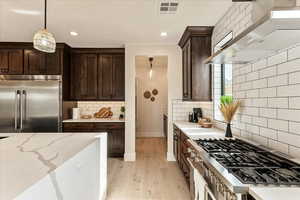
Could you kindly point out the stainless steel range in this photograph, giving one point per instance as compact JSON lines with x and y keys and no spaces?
{"x":229,"y":166}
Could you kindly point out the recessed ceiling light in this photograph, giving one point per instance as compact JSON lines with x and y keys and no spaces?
{"x":26,"y":12}
{"x":163,"y":34}
{"x":73,"y":33}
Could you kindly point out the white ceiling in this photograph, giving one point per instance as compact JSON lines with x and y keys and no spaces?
{"x":106,"y":23}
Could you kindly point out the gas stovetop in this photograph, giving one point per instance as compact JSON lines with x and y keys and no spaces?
{"x":252,"y":164}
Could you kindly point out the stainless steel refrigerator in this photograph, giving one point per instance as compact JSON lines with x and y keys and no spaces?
{"x":30,"y":104}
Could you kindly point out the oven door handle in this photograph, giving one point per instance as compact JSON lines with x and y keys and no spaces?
{"x":208,"y":193}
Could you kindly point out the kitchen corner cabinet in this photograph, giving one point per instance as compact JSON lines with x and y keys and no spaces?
{"x":98,"y":75}
{"x":196,"y":76}
{"x":115,"y":131}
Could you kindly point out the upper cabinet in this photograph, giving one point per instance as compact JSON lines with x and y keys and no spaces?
{"x":22,"y":59}
{"x":98,"y":74}
{"x":11,"y":61}
{"x":196,"y":48}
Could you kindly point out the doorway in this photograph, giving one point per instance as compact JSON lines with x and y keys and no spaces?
{"x":151,"y":85}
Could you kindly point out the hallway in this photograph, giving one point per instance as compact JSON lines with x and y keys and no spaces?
{"x":151,"y":177}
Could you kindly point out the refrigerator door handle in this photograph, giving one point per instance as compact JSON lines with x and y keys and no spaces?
{"x":17,"y":109}
{"x":22,"y":108}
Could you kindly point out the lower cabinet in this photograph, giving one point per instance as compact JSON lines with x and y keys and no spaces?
{"x":115,"y":131}
{"x":181,"y":154}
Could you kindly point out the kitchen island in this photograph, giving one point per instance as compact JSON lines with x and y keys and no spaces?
{"x":53,"y":166}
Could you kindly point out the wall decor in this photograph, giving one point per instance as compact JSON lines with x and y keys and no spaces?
{"x":155,"y":92}
{"x":152,"y":99}
{"x":147,"y":94}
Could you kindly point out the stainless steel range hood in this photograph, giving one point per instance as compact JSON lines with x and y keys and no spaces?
{"x":277,"y":26}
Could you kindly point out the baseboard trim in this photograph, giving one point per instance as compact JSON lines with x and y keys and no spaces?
{"x":130,"y":157}
{"x":170,"y":156}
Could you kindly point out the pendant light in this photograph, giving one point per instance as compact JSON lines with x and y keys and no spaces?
{"x":43,"y":40}
{"x":151,"y":71}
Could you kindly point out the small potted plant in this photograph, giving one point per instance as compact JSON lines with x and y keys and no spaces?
{"x":228,"y":108}
{"x":122,"y":115}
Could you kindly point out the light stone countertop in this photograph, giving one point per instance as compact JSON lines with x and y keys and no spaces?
{"x":275,"y":193}
{"x":27,"y":158}
{"x":195,"y":131}
{"x":93,"y":120}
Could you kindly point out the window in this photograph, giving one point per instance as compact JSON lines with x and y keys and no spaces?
{"x":222,"y":78}
{"x":226,"y":80}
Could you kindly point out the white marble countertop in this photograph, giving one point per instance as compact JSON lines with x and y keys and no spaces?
{"x":93,"y":120}
{"x":275,"y":193}
{"x":27,"y":158}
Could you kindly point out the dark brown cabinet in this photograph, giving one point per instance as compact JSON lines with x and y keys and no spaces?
{"x":39,"y":63}
{"x":181,"y":153}
{"x":98,"y":76}
{"x":84,"y":80}
{"x":11,"y":61}
{"x":115,"y":130}
{"x":196,"y":76}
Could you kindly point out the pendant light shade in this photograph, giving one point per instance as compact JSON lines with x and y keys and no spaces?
{"x":43,"y":40}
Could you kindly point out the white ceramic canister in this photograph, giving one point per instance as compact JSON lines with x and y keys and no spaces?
{"x":76,"y":113}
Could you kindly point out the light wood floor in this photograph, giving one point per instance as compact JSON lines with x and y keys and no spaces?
{"x":151,"y":177}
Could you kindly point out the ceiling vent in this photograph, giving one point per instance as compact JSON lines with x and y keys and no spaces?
{"x":168,"y":7}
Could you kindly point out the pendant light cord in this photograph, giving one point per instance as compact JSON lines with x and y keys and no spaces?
{"x":45,"y":15}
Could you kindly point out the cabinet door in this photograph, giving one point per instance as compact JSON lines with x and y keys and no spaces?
{"x":118,"y":83}
{"x":201,"y":73}
{"x":105,"y":77}
{"x":186,"y":71}
{"x":87,"y":77}
{"x":53,"y":63}
{"x":116,"y":142}
{"x":11,"y":61}
{"x":34,"y":62}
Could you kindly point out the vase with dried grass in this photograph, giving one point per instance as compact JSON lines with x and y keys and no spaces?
{"x":228,"y":108}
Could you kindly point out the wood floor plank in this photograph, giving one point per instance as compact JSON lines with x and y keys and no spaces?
{"x":151,"y":177}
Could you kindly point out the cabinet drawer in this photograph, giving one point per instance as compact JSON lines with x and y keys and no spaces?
{"x":79,"y":127}
{"x":109,"y":125}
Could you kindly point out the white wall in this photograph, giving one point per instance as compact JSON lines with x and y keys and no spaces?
{"x":269,"y":90}
{"x":150,"y":113}
{"x":174,"y":91}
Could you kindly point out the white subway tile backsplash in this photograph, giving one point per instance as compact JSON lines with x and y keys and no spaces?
{"x":294,"y":102}
{"x":278,"y":102}
{"x":278,"y":80}
{"x":288,"y":91}
{"x":268,"y":72}
{"x":252,"y":76}
{"x":294,"y":53}
{"x":268,"y":92}
{"x":268,"y":88}
{"x":260,"y":121}
{"x":294,"y":127}
{"x":294,"y":78}
{"x":277,"y":59}
{"x":260,"y":65}
{"x":268,"y":112}
{"x":269,"y":133}
{"x":292,"y":115}
{"x":288,"y":67}
{"x":278,"y":124}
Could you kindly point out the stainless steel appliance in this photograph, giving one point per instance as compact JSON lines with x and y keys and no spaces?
{"x":30,"y":104}
{"x":229,"y":166}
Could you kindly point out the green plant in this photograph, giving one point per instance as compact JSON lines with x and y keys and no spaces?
{"x":123,"y":109}
{"x":225,"y":100}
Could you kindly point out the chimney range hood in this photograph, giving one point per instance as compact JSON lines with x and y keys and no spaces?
{"x":277,"y":26}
